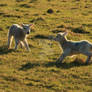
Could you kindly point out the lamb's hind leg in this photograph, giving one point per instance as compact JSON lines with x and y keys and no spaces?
{"x":88,"y":59}
{"x":89,"y":54}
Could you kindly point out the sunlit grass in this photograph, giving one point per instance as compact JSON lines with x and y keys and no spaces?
{"x":36,"y":71}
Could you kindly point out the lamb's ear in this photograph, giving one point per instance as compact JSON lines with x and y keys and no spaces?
{"x":65,"y":33}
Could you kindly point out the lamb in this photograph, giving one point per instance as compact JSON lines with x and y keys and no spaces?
{"x":19,"y":32}
{"x":72,"y":47}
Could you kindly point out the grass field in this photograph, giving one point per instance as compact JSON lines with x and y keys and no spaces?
{"x":35,"y":71}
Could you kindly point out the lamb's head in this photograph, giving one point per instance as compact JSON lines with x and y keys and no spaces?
{"x":26,"y":28}
{"x":60,"y":36}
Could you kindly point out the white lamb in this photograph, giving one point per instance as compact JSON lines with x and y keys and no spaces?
{"x":19,"y":33}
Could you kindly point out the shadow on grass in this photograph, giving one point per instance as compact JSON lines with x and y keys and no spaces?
{"x":5,"y":50}
{"x":28,"y":65}
{"x":64,"y":65}
{"x":10,"y":78}
{"x":44,"y":37}
{"x":41,"y":37}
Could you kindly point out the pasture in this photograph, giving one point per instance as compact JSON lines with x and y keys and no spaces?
{"x":35,"y":71}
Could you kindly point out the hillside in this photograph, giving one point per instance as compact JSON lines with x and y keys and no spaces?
{"x":35,"y":71}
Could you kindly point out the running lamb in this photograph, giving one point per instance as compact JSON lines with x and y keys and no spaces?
{"x":72,"y":47}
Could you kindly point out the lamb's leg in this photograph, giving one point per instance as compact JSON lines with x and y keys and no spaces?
{"x":88,"y":59}
{"x":21,"y":44}
{"x":26,"y":45}
{"x":64,"y":54}
{"x":59,"y":61}
{"x":9,"y":41}
{"x":89,"y":54}
{"x":16,"y":43}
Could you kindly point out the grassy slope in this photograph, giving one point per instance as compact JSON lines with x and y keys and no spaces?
{"x":35,"y":71}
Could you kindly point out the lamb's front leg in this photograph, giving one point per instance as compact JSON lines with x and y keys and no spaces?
{"x":61,"y":58}
{"x":16,"y":44}
{"x":89,"y":54}
{"x":26,"y":45}
{"x":21,"y":44}
{"x":63,"y":55}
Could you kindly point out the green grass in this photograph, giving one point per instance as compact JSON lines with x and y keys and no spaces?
{"x":35,"y":71}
